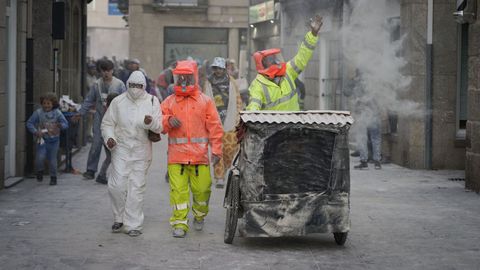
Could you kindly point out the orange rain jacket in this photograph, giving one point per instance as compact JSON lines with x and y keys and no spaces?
{"x":200,"y":127}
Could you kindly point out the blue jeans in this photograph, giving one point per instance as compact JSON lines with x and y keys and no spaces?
{"x":48,"y":151}
{"x":376,"y":138}
{"x":96,"y":147}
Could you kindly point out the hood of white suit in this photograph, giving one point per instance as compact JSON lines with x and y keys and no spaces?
{"x":136,"y":78}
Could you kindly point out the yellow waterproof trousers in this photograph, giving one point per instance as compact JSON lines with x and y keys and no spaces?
{"x":182,"y":178}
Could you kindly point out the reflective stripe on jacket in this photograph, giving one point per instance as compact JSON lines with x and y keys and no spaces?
{"x":200,"y":126}
{"x":267,"y":95}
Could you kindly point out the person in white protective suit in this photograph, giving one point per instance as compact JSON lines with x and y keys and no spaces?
{"x":125,"y":131}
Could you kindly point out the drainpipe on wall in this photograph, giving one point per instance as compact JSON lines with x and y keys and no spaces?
{"x":83,"y":63}
{"x":10,"y":157}
{"x":249,"y":46}
{"x":429,"y":88}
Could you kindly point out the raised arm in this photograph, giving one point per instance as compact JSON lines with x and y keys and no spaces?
{"x":298,"y":63}
{"x":90,"y":99}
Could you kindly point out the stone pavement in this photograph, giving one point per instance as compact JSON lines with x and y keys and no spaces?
{"x":401,"y":219}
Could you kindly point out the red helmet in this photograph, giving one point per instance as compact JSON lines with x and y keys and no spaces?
{"x":185,"y":78}
{"x":270,"y":63}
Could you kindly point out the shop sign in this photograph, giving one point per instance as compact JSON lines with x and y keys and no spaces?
{"x":262,"y":12}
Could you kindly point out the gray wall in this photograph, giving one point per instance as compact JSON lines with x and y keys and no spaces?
{"x":21,"y":85}
{"x":445,"y":153}
{"x":472,"y":170}
{"x":3,"y":96}
{"x":20,"y":97}
{"x":408,"y":146}
{"x":100,"y":42}
{"x":42,"y":48}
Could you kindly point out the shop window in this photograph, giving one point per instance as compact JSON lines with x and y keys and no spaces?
{"x":198,"y":43}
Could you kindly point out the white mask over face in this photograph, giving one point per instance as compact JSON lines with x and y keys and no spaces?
{"x":135,"y":93}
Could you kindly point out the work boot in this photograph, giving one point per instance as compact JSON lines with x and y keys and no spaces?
{"x":220,"y":183}
{"x":198,"y":224}
{"x":101,"y":179}
{"x":355,"y":154}
{"x":89,"y":175}
{"x":378,"y":166}
{"x":179,"y":233}
{"x":134,"y":233}
{"x":40,"y":176}
{"x":117,"y":227}
{"x":53,"y":180}
{"x":362,"y":165}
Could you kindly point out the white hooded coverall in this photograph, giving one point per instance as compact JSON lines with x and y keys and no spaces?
{"x":132,"y":154}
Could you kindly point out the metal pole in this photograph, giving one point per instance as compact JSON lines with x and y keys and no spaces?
{"x":83,"y":63}
{"x":12,"y":88}
{"x":249,"y":46}
{"x":429,"y":88}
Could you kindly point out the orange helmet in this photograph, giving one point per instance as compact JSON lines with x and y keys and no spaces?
{"x":270,"y":63}
{"x":185,"y":77}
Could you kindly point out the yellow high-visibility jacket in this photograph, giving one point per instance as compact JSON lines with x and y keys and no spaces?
{"x":267,"y":95}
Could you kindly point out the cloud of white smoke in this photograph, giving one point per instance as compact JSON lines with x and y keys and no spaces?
{"x":370,"y":49}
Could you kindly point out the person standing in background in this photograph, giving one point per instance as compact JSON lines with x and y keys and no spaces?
{"x":97,"y":97}
{"x":91,"y":78}
{"x":223,"y":90}
{"x":232,"y":69}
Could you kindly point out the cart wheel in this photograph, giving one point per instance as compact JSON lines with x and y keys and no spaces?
{"x":340,"y":237}
{"x":232,"y":204}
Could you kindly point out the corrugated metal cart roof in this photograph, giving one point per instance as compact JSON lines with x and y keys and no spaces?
{"x":336,"y":118}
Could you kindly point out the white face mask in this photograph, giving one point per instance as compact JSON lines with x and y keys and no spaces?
{"x":135,"y":92}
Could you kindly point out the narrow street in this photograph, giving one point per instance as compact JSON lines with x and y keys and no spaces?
{"x":401,"y":219}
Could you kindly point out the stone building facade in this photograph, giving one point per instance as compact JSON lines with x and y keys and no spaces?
{"x":472,"y":166}
{"x":104,"y":25}
{"x":36,"y":63}
{"x":434,"y":141}
{"x":164,"y":31}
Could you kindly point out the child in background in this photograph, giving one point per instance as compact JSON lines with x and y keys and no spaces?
{"x":45,"y":124}
{"x":102,"y":176}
